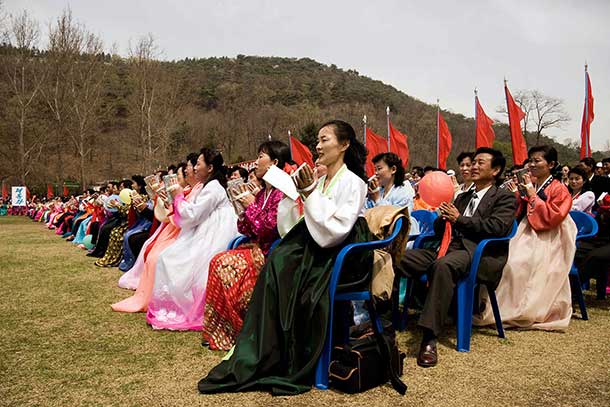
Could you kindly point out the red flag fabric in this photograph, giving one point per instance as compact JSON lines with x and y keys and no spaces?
{"x":300,"y":153}
{"x":444,"y":142}
{"x":375,"y":144}
{"x":484,"y":131}
{"x":515,"y":115}
{"x":399,"y":145}
{"x":4,"y":191}
{"x":49,"y":191}
{"x":587,"y":119}
{"x":65,"y":190}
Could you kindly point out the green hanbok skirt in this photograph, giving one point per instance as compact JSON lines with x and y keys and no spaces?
{"x":286,"y":323}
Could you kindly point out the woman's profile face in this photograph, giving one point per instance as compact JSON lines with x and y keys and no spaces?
{"x":202,"y":170}
{"x":329,"y":149}
{"x":263,"y":162}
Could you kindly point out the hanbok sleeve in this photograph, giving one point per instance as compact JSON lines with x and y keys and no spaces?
{"x":584,"y":202}
{"x":261,"y":223}
{"x":330,"y":220}
{"x":190,"y":214}
{"x":546,"y":215}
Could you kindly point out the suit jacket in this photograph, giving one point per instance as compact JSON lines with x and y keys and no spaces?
{"x":599,"y":184}
{"x":493,"y":218}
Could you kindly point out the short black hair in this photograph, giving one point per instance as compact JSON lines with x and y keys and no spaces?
{"x":549,"y":153}
{"x":392,"y":160}
{"x":419,"y":171}
{"x":243,"y":173}
{"x":580,"y":170}
{"x":465,"y":154}
{"x":192,"y":158}
{"x":172,"y":168}
{"x":606,"y":160}
{"x":127,"y":183}
{"x":589,"y":162}
{"x":430,"y":168}
{"x":497,"y":159}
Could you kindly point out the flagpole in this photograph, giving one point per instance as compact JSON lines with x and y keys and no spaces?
{"x":387,"y":113}
{"x":364,"y":121}
{"x":587,"y":152}
{"x":290,"y":143}
{"x":438,"y":145}
{"x":476,"y":117}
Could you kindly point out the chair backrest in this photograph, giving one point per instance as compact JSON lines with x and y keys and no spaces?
{"x":426,"y":220}
{"x":586,"y":224}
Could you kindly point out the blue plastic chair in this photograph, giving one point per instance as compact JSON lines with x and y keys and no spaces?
{"x":465,"y":296}
{"x":587,"y":228}
{"x":237,"y":240}
{"x":426,"y":220}
{"x":321,"y":377}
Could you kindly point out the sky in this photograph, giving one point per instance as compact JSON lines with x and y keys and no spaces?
{"x":429,"y":50}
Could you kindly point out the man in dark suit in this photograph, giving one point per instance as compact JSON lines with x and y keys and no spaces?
{"x":598,"y":183}
{"x":482,"y":213}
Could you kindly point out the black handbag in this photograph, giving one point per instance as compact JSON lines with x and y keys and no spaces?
{"x":358,"y":365}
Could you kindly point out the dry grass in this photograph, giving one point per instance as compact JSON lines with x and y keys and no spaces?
{"x":60,"y":344}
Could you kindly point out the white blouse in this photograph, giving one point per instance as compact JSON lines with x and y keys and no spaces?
{"x":331,"y":214}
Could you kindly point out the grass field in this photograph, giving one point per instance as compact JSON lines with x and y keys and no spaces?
{"x":60,"y":344}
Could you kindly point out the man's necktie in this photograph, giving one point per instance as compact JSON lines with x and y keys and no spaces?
{"x":471,"y":205}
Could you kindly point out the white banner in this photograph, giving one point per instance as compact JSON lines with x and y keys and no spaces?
{"x":19,"y":196}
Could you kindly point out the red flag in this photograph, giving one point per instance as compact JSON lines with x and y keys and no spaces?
{"x":484,"y":131}
{"x":444,"y":142}
{"x":515,"y":115}
{"x":300,"y":153}
{"x":65,"y":190}
{"x":399,"y":145}
{"x":375,"y":144}
{"x":4,"y":191}
{"x":587,"y":119}
{"x":49,"y":191}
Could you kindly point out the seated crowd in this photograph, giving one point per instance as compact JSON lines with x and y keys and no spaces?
{"x":266,"y":299}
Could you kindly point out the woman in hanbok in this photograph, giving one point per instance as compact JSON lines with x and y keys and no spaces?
{"x":286,"y":324}
{"x":583,"y":198}
{"x":142,"y":274}
{"x":208,"y":224}
{"x":233,"y":273}
{"x":534,"y":291}
{"x":140,"y":220}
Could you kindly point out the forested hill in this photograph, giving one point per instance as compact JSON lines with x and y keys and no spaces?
{"x":149,"y":113}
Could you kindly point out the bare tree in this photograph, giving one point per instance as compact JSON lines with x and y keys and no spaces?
{"x":74,"y":91}
{"x":86,"y":85}
{"x":144,"y":73}
{"x":25,"y":73}
{"x":541,"y":111}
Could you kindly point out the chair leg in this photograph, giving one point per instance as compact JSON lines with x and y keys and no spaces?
{"x":577,"y":288}
{"x":465,"y":294}
{"x":496,"y":311}
{"x":321,"y":378}
{"x":405,"y":305}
